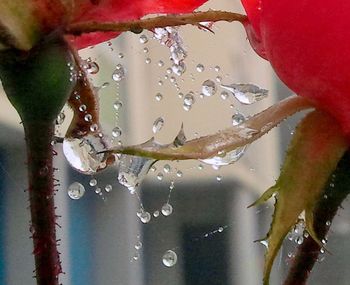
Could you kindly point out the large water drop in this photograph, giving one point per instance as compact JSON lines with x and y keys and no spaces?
{"x":246,"y":93}
{"x":82,"y":153}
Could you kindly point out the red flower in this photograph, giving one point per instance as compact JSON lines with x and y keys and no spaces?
{"x":307,"y":42}
{"x":36,"y":18}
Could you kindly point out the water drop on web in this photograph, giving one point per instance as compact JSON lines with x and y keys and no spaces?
{"x":156,"y":214}
{"x":157,"y":125}
{"x":117,"y":105}
{"x":167,"y":209}
{"x":108,"y":188}
{"x":208,"y":88}
{"x":132,"y":170}
{"x":246,"y":93}
{"x":167,"y":168}
{"x":237,"y":119}
{"x":200,"y":67}
{"x":188,"y":99}
{"x":138,"y":245}
{"x":93,"y":182}
{"x":160,"y":176}
{"x":145,"y":217}
{"x":60,"y":118}
{"x":119,"y":73}
{"x":76,"y":191}
{"x":143,"y":39}
{"x":224,"y":95}
{"x":159,"y":97}
{"x":169,"y":258}
{"x":116,"y":132}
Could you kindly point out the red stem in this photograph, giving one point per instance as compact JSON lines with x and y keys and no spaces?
{"x":41,"y":196}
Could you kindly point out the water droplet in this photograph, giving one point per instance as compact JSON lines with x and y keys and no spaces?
{"x":148,"y":60}
{"x":98,"y":190}
{"x":159,"y":97}
{"x":189,"y":99}
{"x":217,"y":68}
{"x":94,"y":128}
{"x":82,"y":153}
{"x":237,"y":119}
{"x":179,"y":69}
{"x":145,"y":217}
{"x":224,"y":95}
{"x":156,"y":214}
{"x":208,"y":87}
{"x":179,"y":173}
{"x":200,"y":166}
{"x":88,"y":118}
{"x":82,"y":108}
{"x":108,"y":188}
{"x":167,"y":168}
{"x":93,"y":182}
{"x":328,"y":223}
{"x":220,"y":229}
{"x":218,"y":78}
{"x":119,"y":73}
{"x":160,"y":176}
{"x":157,"y":125}
{"x":219,"y":178}
{"x":160,"y":83}
{"x":225,"y":158}
{"x":160,"y":63}
{"x":60,"y":118}
{"x":136,"y":256}
{"x":246,"y":93}
{"x":132,"y":170}
{"x":120,"y":55}
{"x":264,"y":243}
{"x":187,"y":107}
{"x":143,"y":39}
{"x":138,"y":245}
{"x":117,"y":105}
{"x":169,"y":258}
{"x":200,"y":67}
{"x":167,"y":209}
{"x":299,"y":240}
{"x":91,"y":67}
{"x":116,"y":132}
{"x":76,"y":190}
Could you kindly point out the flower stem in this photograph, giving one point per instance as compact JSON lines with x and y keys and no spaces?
{"x":155,"y":22}
{"x":41,"y":197}
{"x":337,"y":190}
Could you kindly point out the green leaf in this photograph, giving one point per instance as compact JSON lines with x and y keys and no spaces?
{"x":313,"y":155}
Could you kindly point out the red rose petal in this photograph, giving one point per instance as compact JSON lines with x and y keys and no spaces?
{"x":308,"y":43}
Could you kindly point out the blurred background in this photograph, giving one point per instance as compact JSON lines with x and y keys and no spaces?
{"x":210,"y":233}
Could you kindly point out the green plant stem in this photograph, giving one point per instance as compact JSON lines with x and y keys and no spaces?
{"x":39,"y":136}
{"x":307,"y":254}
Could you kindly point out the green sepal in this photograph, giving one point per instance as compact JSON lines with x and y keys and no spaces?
{"x":316,"y":148}
{"x":39,"y":82}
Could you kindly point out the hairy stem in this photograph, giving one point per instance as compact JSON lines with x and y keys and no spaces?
{"x":337,"y":190}
{"x":41,"y":196}
{"x":225,"y":140}
{"x":155,"y":22}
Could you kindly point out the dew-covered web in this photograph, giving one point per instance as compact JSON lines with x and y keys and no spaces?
{"x":178,"y":79}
